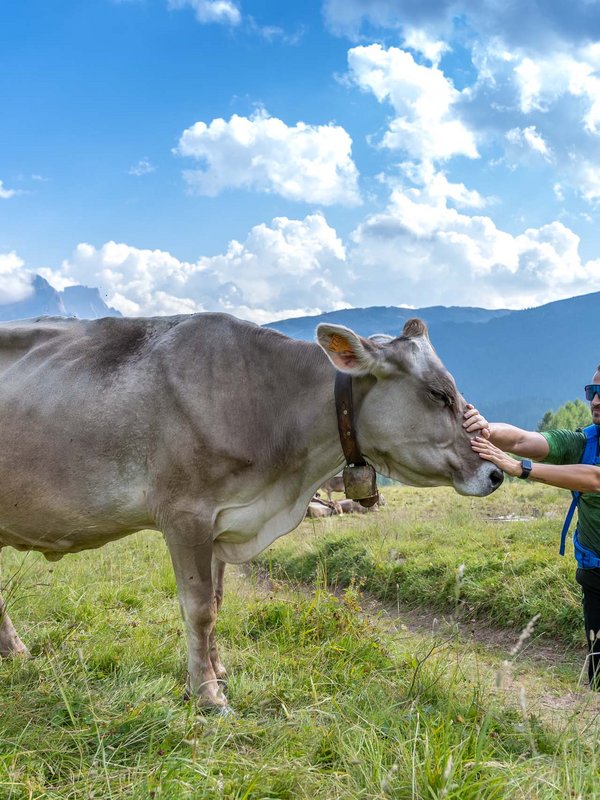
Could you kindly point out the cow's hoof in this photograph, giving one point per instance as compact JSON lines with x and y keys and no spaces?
{"x":213,"y":710}
{"x":217,"y":711}
{"x":210,"y":705}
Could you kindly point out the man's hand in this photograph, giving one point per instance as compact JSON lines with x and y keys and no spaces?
{"x":475,"y":423}
{"x":490,"y":452}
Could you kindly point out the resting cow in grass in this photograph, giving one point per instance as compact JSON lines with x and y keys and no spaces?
{"x":214,"y":431}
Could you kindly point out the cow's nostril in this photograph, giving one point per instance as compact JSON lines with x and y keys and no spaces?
{"x":496,"y":477}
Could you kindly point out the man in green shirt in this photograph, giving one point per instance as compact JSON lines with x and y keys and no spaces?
{"x":556,"y":457}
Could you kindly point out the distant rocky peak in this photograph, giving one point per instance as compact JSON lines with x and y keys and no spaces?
{"x":75,"y":301}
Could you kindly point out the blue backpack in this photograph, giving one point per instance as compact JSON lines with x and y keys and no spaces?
{"x":586,"y":559}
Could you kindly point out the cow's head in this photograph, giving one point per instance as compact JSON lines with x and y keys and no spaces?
{"x":410,"y":420}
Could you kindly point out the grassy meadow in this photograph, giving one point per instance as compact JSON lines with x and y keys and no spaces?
{"x":370,"y":656}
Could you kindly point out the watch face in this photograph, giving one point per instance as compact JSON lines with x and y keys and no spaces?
{"x":526,"y":467}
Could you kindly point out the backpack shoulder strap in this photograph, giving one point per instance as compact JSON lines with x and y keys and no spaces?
{"x":591,"y":445}
{"x":588,"y":457}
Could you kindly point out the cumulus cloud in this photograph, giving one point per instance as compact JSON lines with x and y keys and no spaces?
{"x":284,"y":269}
{"x":434,"y":254}
{"x":223,"y":12}
{"x":427,"y":125}
{"x":425,"y":249}
{"x":310,"y":163}
{"x":15,"y":280}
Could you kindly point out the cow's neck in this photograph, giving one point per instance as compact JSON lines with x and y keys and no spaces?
{"x":320,"y":452}
{"x":305,"y":451}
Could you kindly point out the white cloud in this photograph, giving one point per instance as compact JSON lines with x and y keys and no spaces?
{"x":434,"y":187}
{"x":542,"y":81}
{"x":419,"y":41}
{"x":223,"y":12}
{"x":427,"y":125}
{"x":423,"y":249}
{"x":15,"y":280}
{"x":435,"y":254}
{"x":284,"y":269}
{"x":303,"y":163}
{"x":6,"y":194}
{"x":586,"y":176}
{"x":143,"y":167}
{"x":529,"y":139}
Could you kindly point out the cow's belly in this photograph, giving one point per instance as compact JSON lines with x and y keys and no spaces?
{"x":74,"y":541}
{"x":55,"y":519}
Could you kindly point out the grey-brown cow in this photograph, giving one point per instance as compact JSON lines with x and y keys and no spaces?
{"x":214,"y":431}
{"x":335,"y":484}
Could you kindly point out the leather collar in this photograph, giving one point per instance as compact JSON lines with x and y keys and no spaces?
{"x":360,"y":479}
{"x":345,"y":416}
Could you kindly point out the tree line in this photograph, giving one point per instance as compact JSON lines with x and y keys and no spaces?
{"x":574,"y":414}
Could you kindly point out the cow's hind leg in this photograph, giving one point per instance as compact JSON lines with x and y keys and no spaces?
{"x":191,"y":553}
{"x":218,"y":571}
{"x":10,"y":644}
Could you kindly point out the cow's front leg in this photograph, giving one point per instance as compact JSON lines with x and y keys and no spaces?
{"x":218,"y":572}
{"x":191,"y":553}
{"x":10,"y":644}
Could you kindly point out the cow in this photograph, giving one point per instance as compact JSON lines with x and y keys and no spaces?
{"x":216,"y":432}
{"x":352,"y":507}
{"x":319,"y":507}
{"x":335,"y":484}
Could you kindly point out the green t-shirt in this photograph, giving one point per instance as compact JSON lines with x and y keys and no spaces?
{"x":566,"y":447}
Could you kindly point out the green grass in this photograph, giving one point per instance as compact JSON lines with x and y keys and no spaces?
{"x":331,"y":703}
{"x":410,"y":553}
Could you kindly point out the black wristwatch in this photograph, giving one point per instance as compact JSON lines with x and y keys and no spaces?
{"x":526,"y":467}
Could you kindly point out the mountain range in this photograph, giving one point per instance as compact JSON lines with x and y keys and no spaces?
{"x":513,"y":365}
{"x":75,"y":301}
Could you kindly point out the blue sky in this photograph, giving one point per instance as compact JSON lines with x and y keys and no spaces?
{"x":275,"y":159}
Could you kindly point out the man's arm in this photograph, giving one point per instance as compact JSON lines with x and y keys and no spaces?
{"x":529,"y":444}
{"x":576,"y":477}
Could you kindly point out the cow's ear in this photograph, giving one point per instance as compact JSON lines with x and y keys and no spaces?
{"x":348,"y":351}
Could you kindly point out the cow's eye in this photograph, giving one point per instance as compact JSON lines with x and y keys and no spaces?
{"x":441,"y":397}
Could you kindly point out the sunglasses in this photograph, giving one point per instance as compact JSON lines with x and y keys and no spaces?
{"x":591,"y":390}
